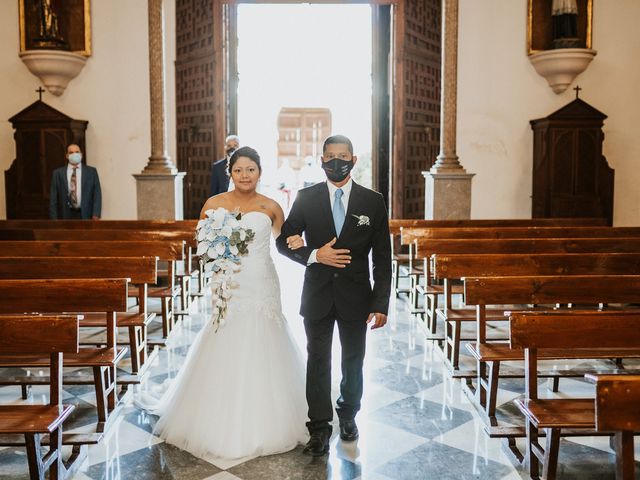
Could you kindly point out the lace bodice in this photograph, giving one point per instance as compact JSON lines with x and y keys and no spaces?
{"x":261,"y":224}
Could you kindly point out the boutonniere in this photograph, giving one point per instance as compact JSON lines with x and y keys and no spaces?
{"x":362,"y":219}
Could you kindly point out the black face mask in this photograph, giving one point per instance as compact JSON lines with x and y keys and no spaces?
{"x":230,"y":151}
{"x":337,"y":169}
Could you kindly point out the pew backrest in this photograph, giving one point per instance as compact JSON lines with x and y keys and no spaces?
{"x":426,"y":248}
{"x":99,"y":235}
{"x":38,"y":334}
{"x":164,"y":250}
{"x":137,"y":269}
{"x":410,"y":234}
{"x":68,"y":295}
{"x":531,"y":332}
{"x":571,"y":331}
{"x":395,"y":223}
{"x":168,"y":225}
{"x":551,"y":289}
{"x":492,"y":265}
{"x":617,"y":400}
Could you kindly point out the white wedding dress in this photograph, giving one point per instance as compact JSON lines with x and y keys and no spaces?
{"x":241,"y":390}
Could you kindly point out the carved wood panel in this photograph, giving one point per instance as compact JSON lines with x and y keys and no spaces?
{"x":571,"y":177}
{"x":195,"y":102}
{"x":417,"y":102}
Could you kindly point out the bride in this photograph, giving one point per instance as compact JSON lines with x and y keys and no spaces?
{"x":240,"y":392}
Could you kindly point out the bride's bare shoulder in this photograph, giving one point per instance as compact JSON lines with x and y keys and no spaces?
{"x":217,"y":201}
{"x":269,"y":206}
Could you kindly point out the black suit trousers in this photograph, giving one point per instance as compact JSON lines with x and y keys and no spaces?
{"x":353,"y":336}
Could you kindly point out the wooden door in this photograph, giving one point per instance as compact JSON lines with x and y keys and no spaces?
{"x":382,"y":72}
{"x":195,"y":99}
{"x":416,"y":119}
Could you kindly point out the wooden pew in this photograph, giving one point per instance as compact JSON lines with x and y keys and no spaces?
{"x":396,"y":223}
{"x":101,"y":224}
{"x":403,"y":258}
{"x":183,"y":268}
{"x":409,"y":235}
{"x":106,"y":296}
{"x":617,"y":400}
{"x":169,"y":251}
{"x":50,"y":337}
{"x":534,"y":333}
{"x":528,"y":245}
{"x":451,"y":268}
{"x":428,"y":247}
{"x":533,"y":290}
{"x":186,"y":227}
{"x":140,"y":270}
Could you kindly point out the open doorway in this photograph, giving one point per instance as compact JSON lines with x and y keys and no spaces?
{"x":299,"y":80}
{"x":405,"y":99}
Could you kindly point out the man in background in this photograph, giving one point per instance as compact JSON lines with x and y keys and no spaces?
{"x":219,"y":174}
{"x":75,"y":189}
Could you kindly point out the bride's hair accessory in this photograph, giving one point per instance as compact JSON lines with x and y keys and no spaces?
{"x":221,"y":241}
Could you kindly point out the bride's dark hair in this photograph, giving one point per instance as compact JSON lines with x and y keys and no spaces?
{"x":248,"y":152}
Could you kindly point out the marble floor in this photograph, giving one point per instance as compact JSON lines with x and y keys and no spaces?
{"x":416,"y":422}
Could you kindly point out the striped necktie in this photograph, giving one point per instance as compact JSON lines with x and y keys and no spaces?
{"x":73,"y":188}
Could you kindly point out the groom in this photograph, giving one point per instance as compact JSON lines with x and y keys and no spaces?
{"x":342,"y":222}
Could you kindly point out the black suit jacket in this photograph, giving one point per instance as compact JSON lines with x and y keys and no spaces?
{"x":90,"y":194}
{"x":219,"y":182}
{"x":349,"y":288}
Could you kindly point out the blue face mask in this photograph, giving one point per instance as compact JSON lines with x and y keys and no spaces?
{"x":75,"y":158}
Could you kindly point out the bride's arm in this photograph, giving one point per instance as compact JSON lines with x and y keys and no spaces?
{"x":278,"y":219}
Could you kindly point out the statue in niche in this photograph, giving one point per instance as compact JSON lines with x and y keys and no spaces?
{"x":49,"y":30}
{"x":565,"y":24}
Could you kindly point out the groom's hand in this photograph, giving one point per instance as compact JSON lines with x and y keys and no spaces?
{"x":334,"y":257}
{"x":381,"y":320}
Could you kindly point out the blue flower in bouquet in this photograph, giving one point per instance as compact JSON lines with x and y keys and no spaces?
{"x":222,"y":240}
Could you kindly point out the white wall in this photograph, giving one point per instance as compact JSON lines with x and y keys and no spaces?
{"x":111,"y":92}
{"x":499,"y":92}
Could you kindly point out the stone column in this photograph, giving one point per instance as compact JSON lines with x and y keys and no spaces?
{"x":159,"y":185}
{"x":447,"y":184}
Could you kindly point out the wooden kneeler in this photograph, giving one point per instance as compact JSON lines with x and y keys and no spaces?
{"x":40,"y":335}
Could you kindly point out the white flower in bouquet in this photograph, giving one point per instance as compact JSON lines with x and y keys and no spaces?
{"x":221,"y":241}
{"x":219,"y":216}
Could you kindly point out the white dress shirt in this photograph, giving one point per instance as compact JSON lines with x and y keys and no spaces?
{"x":78,"y":180}
{"x":346,"y":191}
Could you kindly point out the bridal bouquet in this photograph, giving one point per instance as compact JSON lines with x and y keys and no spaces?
{"x":221,"y":242}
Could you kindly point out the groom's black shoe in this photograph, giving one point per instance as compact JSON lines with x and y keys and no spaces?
{"x":348,"y":430}
{"x":318,"y":444}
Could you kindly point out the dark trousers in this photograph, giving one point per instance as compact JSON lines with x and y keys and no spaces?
{"x":353,"y":335}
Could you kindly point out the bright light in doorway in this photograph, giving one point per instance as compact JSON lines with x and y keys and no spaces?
{"x":303,"y":55}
